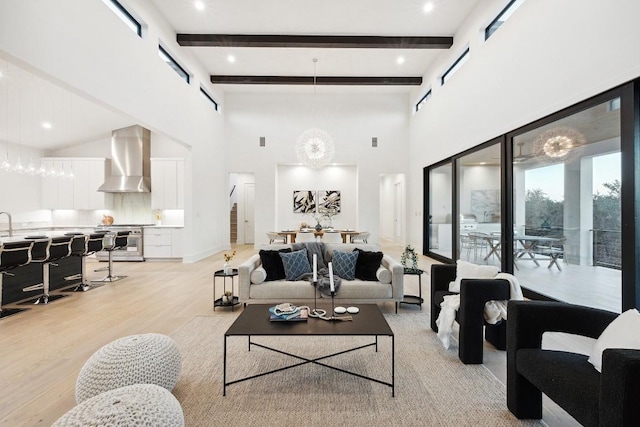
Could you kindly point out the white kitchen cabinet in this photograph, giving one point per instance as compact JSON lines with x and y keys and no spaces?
{"x":167,"y":184}
{"x":80,"y":192}
{"x":89,"y":176}
{"x":162,"y":242}
{"x":57,"y":192}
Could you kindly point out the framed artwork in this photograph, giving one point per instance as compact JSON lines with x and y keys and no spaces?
{"x":485,"y":205}
{"x":304,"y":201}
{"x":329,"y":201}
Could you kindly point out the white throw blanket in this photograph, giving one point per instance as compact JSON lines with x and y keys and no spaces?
{"x":494,"y":311}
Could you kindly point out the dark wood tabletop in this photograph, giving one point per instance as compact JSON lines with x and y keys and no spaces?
{"x":254,"y":320}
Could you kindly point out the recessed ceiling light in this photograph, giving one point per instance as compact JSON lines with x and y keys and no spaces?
{"x":47,"y":125}
{"x":428,"y":7}
{"x":400,"y":60}
{"x":231,"y":58}
{"x":199,"y":5}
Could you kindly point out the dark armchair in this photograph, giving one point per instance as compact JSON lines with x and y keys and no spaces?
{"x":609,"y":398}
{"x":474,"y":293}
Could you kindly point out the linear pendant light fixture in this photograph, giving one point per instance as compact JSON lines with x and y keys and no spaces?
{"x":314,"y":147}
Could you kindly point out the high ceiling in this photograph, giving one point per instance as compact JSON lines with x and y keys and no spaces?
{"x":31,"y":99}
{"x":381,"y":18}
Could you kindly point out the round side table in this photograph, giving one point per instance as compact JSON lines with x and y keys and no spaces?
{"x":234,"y":299}
{"x":414,"y":299}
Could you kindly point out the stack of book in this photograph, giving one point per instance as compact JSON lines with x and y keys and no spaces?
{"x":297,"y":315}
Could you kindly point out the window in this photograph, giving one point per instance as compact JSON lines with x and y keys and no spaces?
{"x":502,"y":16}
{"x":455,"y":67}
{"x":440,"y":185}
{"x":423,"y":100}
{"x":567,"y":213}
{"x":173,"y":64}
{"x":209,"y":98}
{"x":126,"y":17}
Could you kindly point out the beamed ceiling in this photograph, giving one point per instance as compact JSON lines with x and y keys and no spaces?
{"x":373,"y":44}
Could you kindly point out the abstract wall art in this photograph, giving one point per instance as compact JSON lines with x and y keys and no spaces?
{"x":329,"y":201}
{"x":304,"y":201}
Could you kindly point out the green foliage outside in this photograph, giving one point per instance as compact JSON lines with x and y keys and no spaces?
{"x":543,"y":213}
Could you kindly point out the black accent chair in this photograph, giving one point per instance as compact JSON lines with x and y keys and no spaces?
{"x":609,"y":398}
{"x":474,"y":293}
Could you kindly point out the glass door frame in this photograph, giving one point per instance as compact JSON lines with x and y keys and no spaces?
{"x":629,"y":94}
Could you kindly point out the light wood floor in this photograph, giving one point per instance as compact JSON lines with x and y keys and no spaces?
{"x":44,"y":348}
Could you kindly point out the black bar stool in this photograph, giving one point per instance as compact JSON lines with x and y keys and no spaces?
{"x":113,"y":241}
{"x":48,"y":252}
{"x":12,"y":255}
{"x":92,"y":243}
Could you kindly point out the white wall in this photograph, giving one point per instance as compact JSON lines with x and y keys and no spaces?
{"x":547,"y":56}
{"x":98,"y":57}
{"x":293,"y":178}
{"x":351,"y":119}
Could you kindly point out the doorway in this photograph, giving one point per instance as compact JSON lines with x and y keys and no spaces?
{"x":392,"y":208}
{"x":241,"y":199}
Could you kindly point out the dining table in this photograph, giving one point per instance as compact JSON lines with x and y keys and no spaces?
{"x":291,"y":234}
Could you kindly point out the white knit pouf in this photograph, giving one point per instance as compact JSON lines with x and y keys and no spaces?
{"x":136,"y":359}
{"x":134,"y":405}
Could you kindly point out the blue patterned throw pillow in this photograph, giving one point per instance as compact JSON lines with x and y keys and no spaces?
{"x":344,"y":264}
{"x":295,"y":264}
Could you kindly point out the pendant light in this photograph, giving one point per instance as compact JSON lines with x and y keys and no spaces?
{"x":314,"y":147}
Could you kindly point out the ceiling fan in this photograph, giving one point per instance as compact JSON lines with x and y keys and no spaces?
{"x":521,"y":157}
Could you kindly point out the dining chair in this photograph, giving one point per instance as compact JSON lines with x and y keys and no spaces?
{"x":362,"y":237}
{"x":332,"y":237}
{"x":305,"y":236}
{"x":276,"y":238}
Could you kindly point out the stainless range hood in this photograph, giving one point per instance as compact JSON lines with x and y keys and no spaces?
{"x":130,"y":161}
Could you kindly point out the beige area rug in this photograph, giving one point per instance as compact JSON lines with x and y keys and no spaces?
{"x":433,"y":388}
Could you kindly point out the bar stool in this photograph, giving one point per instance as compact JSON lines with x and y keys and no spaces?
{"x":92,"y":243}
{"x":112,"y":242}
{"x":12,"y":255}
{"x":48,"y":252}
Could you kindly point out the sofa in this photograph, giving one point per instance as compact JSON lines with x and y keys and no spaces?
{"x":387,"y":287}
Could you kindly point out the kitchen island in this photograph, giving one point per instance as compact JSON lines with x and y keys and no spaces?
{"x":18,"y":285}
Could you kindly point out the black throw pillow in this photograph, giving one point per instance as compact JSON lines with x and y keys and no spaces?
{"x":367,"y":265}
{"x":272,"y":264}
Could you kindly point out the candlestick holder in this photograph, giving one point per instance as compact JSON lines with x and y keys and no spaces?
{"x":316,"y":312}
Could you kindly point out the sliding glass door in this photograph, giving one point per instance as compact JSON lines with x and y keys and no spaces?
{"x":479,"y":205}
{"x":567,"y":207}
{"x":440,"y":184}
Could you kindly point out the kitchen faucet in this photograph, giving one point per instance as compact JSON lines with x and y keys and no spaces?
{"x":10,"y":223}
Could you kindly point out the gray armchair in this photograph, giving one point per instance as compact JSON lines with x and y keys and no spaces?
{"x":592,"y":398}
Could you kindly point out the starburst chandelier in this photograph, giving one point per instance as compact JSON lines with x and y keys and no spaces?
{"x":314,"y":147}
{"x":558,"y":143}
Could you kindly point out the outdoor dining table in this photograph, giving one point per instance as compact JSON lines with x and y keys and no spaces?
{"x":529,"y":244}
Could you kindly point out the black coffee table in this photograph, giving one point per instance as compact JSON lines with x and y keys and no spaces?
{"x":254,"y":320}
